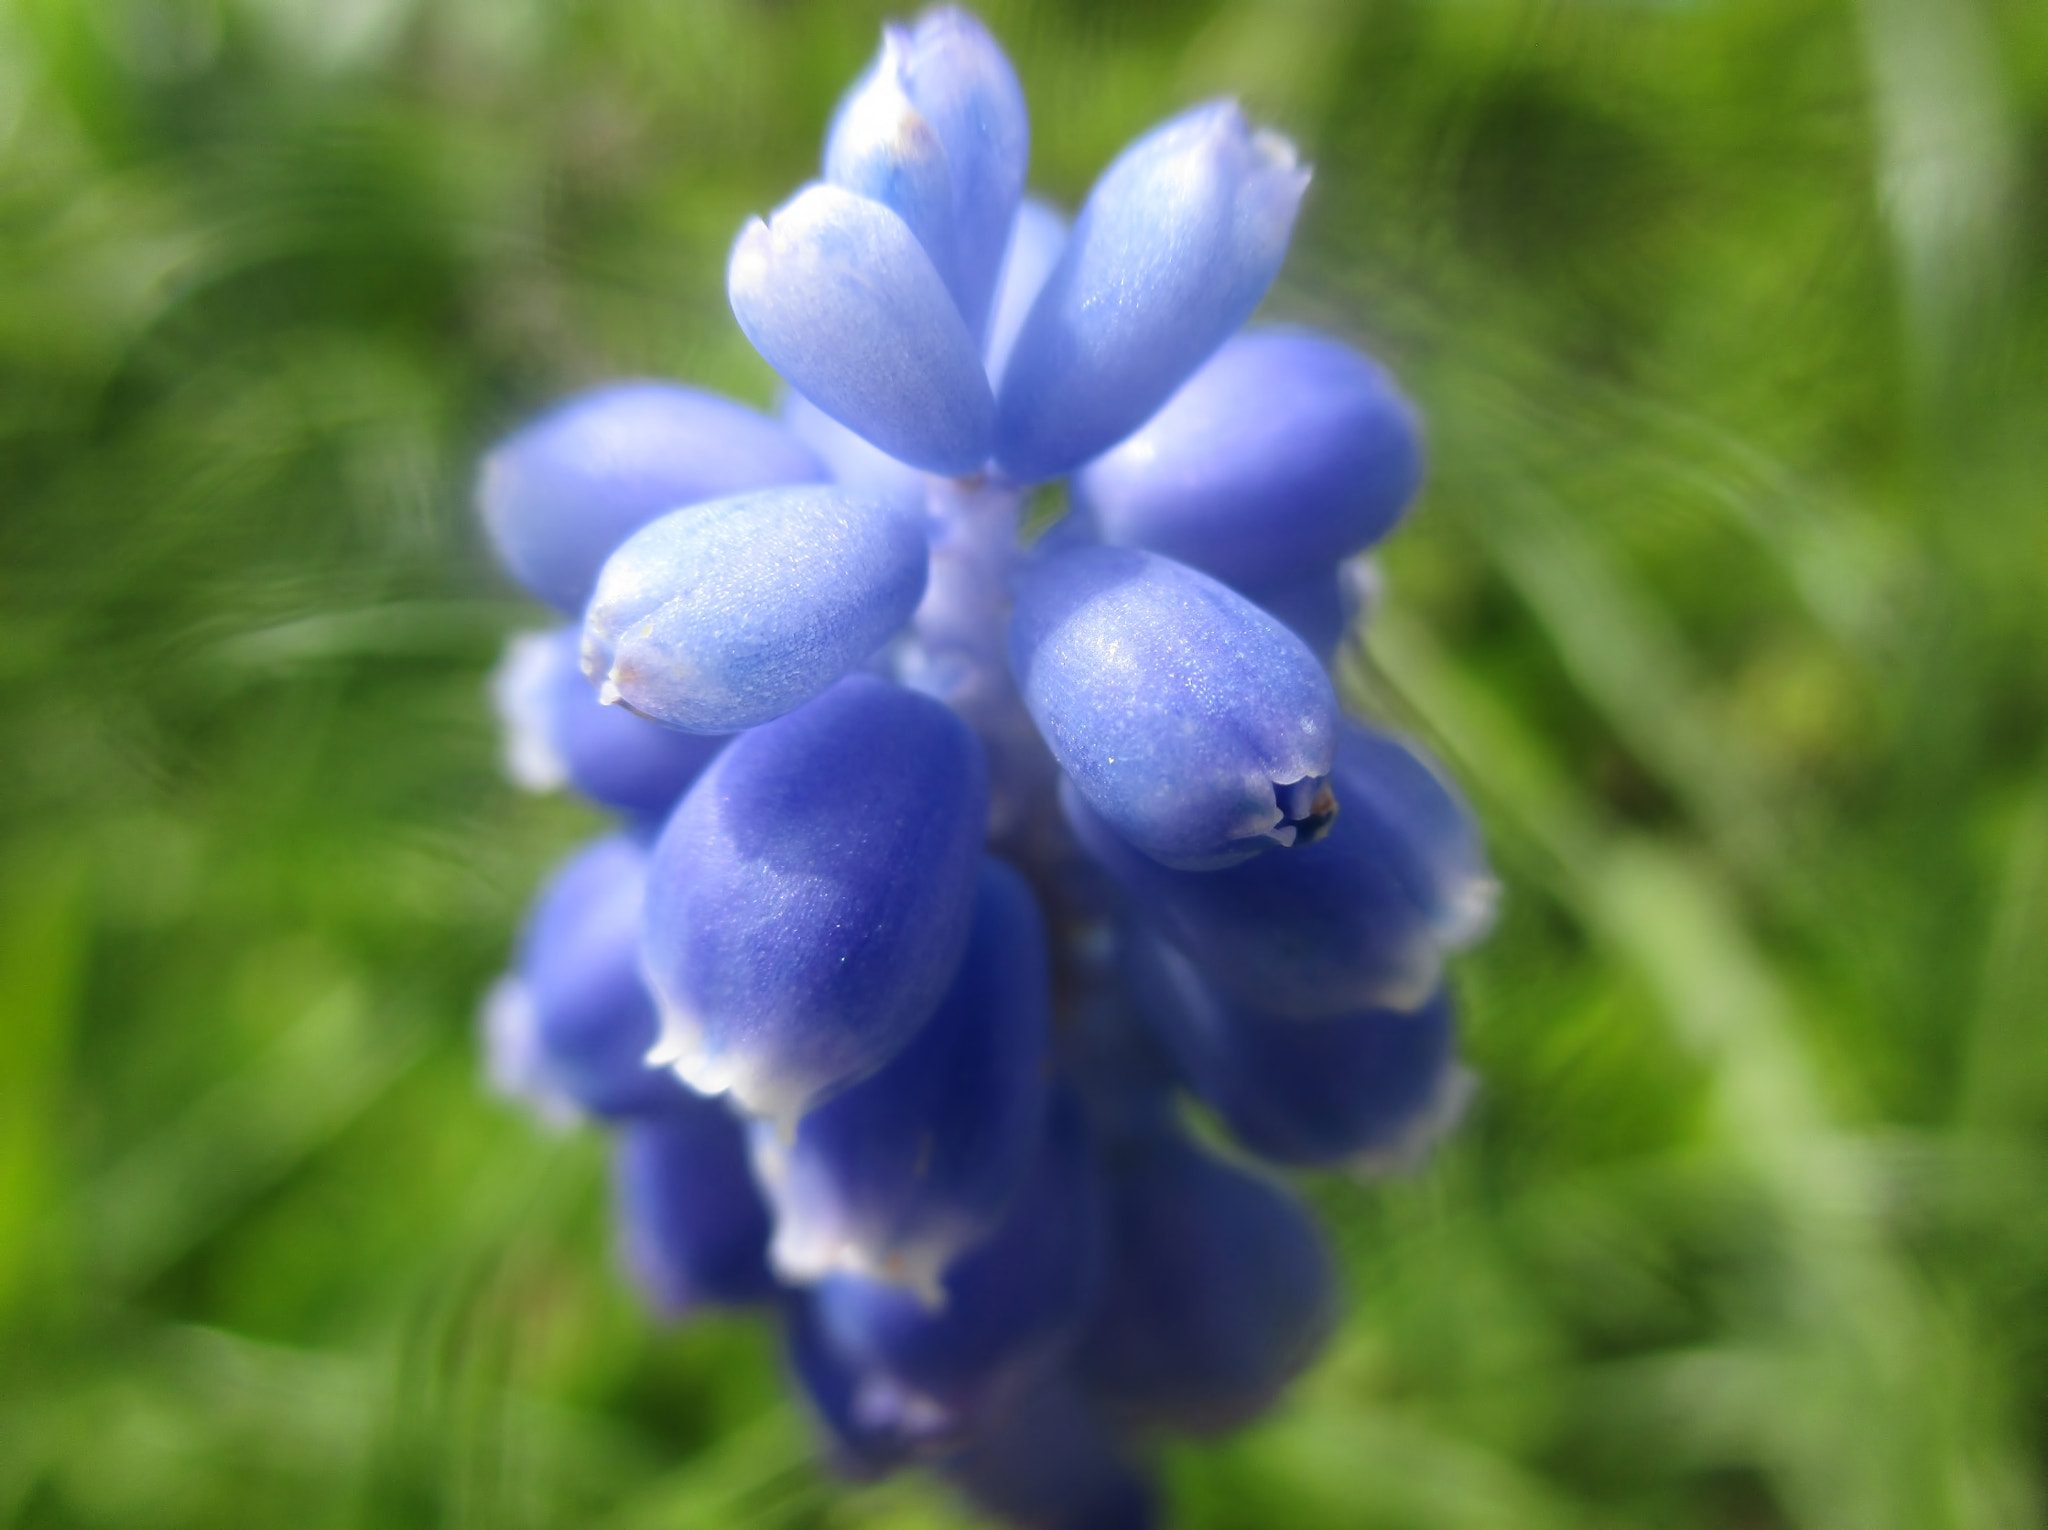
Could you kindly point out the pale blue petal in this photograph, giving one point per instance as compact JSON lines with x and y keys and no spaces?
{"x":967,"y":91}
{"x":1178,"y":242}
{"x":1284,"y":454}
{"x":724,"y":615}
{"x":1197,"y":725}
{"x":840,"y":298}
{"x":559,"y":494}
{"x":1036,"y":240}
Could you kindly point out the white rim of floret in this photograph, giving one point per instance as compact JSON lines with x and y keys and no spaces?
{"x":1410,"y":1148}
{"x":519,"y":695}
{"x":808,"y":1246}
{"x":512,"y":1057}
{"x":681,"y":1048}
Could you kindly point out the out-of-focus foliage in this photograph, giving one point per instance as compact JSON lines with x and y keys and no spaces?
{"x":1729,"y":596}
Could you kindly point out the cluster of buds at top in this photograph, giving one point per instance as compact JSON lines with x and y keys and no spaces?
{"x":954,"y":867}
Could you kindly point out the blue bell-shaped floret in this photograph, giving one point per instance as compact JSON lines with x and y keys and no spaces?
{"x":881,"y":147}
{"x":1372,"y":1089}
{"x":1358,"y":920}
{"x":1284,"y":454}
{"x":964,"y":87}
{"x":1176,"y":245}
{"x":693,"y":1230}
{"x":1320,"y":930}
{"x":839,"y":297}
{"x":895,"y":1177}
{"x":557,"y":733}
{"x":1009,"y":1309}
{"x":559,"y":494}
{"x":809,"y":901}
{"x":937,"y":132}
{"x":1219,"y":1290}
{"x":1195,"y":724}
{"x":570,"y":1027}
{"x":724,"y":615}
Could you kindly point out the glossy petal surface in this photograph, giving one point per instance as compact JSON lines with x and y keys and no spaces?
{"x":1219,"y":1293}
{"x":1371,"y":1087}
{"x":559,"y":494}
{"x":809,"y":901}
{"x":694,"y":1233}
{"x":558,"y":733}
{"x":840,"y":298}
{"x":896,"y":1176}
{"x":724,"y":615}
{"x":1176,"y":245}
{"x":1285,"y":453}
{"x":1175,"y":705}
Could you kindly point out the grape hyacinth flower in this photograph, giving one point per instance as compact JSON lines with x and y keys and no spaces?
{"x":955,"y":863}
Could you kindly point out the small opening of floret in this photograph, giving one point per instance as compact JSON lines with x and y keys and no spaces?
{"x":1308,"y":806}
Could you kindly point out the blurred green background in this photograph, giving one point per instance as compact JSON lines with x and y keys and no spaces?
{"x":1728,"y":599}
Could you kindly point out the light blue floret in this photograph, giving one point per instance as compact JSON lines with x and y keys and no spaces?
{"x":560,"y":493}
{"x":840,"y":298}
{"x":1197,"y":725}
{"x":965,"y":88}
{"x":721,"y":616}
{"x":1285,"y":453}
{"x":882,"y":147}
{"x":1177,"y":243}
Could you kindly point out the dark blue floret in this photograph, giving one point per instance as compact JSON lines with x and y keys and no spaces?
{"x":1009,"y":1310}
{"x":1219,"y":1293}
{"x":693,"y":1231}
{"x":1369,"y":1088}
{"x":1050,"y":1462}
{"x":895,"y":1177}
{"x":559,"y":733}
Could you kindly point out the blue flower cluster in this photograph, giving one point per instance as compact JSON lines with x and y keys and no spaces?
{"x":954,"y":867}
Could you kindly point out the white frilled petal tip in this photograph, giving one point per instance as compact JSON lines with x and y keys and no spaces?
{"x":512,"y":1059}
{"x":1469,"y":913}
{"x":1410,"y":1148}
{"x":807,"y":1249}
{"x":519,"y":687}
{"x":682,"y":1050}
